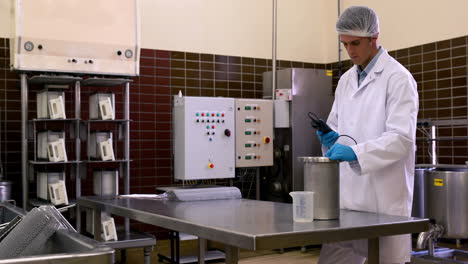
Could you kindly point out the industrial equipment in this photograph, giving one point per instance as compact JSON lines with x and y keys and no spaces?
{"x":447,"y":200}
{"x":81,"y":36}
{"x":254,"y":132}
{"x":204,"y":137}
{"x":298,"y":92}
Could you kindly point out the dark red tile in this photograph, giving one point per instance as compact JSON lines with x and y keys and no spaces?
{"x":163,"y":63}
{"x":162,"y":81}
{"x":163,"y":54}
{"x":178,"y":55}
{"x":234,"y":60}
{"x":147,"y":53}
{"x":222,"y":59}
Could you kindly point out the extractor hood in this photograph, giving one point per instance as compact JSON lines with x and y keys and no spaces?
{"x":76,"y":36}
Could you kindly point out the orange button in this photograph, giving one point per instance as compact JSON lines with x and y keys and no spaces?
{"x":259,"y":157}
{"x":258,"y":107}
{"x":210,"y":165}
{"x":258,"y":132}
{"x":258,"y":120}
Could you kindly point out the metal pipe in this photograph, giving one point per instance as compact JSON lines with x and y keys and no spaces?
{"x":77,"y":150}
{"x":24,"y":138}
{"x":127,"y":147}
{"x":77,"y":136}
{"x":273,"y":45}
{"x":433,"y":145}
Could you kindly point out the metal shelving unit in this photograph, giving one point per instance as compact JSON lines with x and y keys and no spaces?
{"x":27,"y":125}
{"x":127,"y":239}
{"x":29,"y":129}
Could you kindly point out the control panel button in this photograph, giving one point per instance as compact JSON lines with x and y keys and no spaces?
{"x":227,"y":132}
{"x":266,"y":140}
{"x":210,"y":165}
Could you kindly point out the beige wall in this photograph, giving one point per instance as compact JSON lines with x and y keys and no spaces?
{"x":406,"y":23}
{"x":305,"y":27}
{"x":5,"y":18}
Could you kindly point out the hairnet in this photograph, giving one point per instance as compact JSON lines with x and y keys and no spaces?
{"x":360,"y":21}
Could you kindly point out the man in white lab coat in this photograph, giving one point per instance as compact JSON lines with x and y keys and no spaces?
{"x":376,"y":103}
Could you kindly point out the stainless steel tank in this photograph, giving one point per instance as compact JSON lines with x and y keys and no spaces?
{"x":322,"y":176}
{"x":447,"y":200}
{"x":418,"y":193}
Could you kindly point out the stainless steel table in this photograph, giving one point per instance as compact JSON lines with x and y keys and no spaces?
{"x":254,"y":225}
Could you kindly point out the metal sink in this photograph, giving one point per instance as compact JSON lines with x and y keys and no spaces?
{"x":64,"y":246}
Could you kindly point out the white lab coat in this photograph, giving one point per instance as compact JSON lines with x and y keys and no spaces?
{"x":381,"y":116}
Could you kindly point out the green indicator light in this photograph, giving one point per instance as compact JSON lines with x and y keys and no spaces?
{"x":248,"y":157}
{"x":247,"y":120}
{"x":247,"y":108}
{"x":248,"y":145}
{"x":248,"y":133}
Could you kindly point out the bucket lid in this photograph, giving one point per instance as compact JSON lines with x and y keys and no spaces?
{"x":317,"y":160}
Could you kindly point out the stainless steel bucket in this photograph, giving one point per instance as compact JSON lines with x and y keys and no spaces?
{"x":322,"y":176}
{"x":447,"y":200}
{"x":5,"y":190}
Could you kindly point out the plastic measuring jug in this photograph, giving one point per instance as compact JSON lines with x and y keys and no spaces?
{"x":303,"y":206}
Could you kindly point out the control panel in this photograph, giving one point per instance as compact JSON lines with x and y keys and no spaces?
{"x":204,"y":138}
{"x":254,"y":133}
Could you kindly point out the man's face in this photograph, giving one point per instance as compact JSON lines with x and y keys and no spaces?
{"x":361,"y":50}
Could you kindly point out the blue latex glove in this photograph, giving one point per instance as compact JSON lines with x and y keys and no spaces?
{"x":327,"y":139}
{"x":341,"y":152}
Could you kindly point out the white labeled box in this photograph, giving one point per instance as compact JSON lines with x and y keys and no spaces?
{"x":204,"y":137}
{"x":102,"y":106}
{"x":43,"y":181}
{"x":43,"y":140}
{"x":50,"y":104}
{"x":98,"y":141}
{"x":58,"y":193}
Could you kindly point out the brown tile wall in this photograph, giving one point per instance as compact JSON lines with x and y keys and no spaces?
{"x":440,"y":69}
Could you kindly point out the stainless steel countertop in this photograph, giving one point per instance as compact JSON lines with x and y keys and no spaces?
{"x":252,"y":224}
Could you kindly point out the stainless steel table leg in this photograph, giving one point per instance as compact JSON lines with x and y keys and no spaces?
{"x":147,"y":254}
{"x":373,"y":251}
{"x":201,"y":250}
{"x":232,"y":254}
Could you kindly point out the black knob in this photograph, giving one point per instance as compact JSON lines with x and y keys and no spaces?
{"x":227,"y":132}
{"x":39,"y":46}
{"x":119,"y":52}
